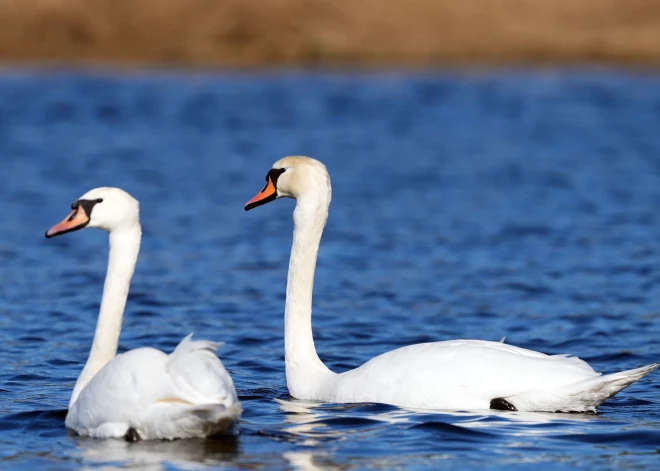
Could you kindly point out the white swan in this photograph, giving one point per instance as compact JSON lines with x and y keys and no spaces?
{"x":456,"y":374}
{"x":143,"y":393}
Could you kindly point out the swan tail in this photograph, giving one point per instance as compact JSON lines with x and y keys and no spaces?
{"x":583,"y":396}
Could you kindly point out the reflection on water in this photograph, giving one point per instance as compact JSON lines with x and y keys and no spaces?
{"x":465,"y":205}
{"x":311,"y":461}
{"x":312,"y":422}
{"x":158,"y":455}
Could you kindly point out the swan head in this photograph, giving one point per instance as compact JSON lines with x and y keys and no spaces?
{"x":106,"y":208}
{"x":292,"y":177}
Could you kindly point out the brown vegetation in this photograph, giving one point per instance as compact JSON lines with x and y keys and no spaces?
{"x":274,"y":32}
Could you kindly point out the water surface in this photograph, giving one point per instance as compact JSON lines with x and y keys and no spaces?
{"x":465,"y":205}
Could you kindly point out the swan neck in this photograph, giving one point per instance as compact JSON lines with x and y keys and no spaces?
{"x":304,"y":369}
{"x":124,"y":249}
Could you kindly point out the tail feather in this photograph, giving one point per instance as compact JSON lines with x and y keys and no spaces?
{"x":582,"y":396}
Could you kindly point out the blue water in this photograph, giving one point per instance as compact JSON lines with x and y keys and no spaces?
{"x":466,"y":205}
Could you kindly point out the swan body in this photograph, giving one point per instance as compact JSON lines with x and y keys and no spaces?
{"x":450,"y":375}
{"x":143,"y":393}
{"x":184,"y":394}
{"x":470,"y":374}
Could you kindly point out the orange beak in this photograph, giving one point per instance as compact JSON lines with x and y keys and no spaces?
{"x":268,"y":194}
{"x":74,"y":221}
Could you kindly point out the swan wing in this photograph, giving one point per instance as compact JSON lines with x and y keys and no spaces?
{"x":185,"y":394}
{"x":457,"y":374}
{"x":198,"y":374}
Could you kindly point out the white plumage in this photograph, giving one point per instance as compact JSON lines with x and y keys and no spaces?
{"x":187,"y":393}
{"x":469,"y":374}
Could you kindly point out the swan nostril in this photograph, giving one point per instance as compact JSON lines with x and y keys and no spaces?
{"x":73,"y":214}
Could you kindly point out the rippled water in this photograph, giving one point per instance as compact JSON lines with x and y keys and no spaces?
{"x":466,"y":205}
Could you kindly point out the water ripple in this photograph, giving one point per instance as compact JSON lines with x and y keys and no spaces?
{"x":466,"y":205}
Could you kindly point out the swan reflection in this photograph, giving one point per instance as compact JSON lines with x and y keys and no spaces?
{"x":310,"y":417}
{"x":315,"y":420}
{"x":156,"y":455}
{"x":312,"y":461}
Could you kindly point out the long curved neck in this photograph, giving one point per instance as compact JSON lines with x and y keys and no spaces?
{"x":124,"y":249}
{"x":304,"y":369}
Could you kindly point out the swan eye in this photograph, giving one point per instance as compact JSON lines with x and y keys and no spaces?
{"x":99,"y":200}
{"x":272,"y":175}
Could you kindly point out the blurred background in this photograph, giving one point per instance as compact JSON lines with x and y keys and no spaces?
{"x":496,"y":173}
{"x":255,"y":33}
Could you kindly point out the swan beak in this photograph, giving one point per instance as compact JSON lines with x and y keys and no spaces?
{"x":74,"y":221}
{"x":268,"y":194}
